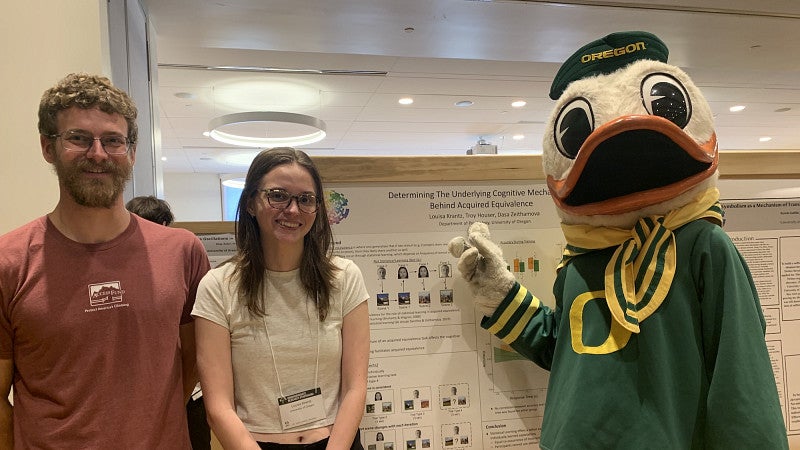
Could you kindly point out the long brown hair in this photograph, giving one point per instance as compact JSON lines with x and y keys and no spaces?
{"x":316,"y":267}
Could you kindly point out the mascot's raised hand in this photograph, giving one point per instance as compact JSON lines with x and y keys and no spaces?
{"x":482,"y":265}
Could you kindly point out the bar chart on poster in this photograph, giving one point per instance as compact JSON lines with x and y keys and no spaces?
{"x":436,"y":379}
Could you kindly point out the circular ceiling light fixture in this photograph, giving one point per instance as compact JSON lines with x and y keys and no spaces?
{"x":265,"y":129}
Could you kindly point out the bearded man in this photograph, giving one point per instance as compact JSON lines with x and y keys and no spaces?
{"x":96,"y":336}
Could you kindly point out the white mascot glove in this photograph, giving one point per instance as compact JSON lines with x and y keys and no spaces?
{"x":482,"y":265}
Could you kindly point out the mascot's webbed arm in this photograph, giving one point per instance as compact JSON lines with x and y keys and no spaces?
{"x":512,"y":313}
{"x":742,"y":409}
{"x":525,"y":324}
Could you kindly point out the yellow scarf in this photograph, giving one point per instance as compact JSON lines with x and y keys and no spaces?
{"x":639,"y":274}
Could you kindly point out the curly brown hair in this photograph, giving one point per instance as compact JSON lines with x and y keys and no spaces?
{"x":86,"y":91}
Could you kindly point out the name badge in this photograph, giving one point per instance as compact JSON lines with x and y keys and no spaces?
{"x":301,"y":408}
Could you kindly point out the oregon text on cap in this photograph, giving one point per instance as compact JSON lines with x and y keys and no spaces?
{"x":619,"y":51}
{"x":606,"y":55}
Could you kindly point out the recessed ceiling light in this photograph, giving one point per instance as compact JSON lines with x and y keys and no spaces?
{"x":519,"y":103}
{"x":406,"y":101}
{"x":736,"y":108}
{"x":408,"y":29}
{"x":783,"y":109}
{"x":163,"y":158}
{"x":464,"y":103}
{"x":764,"y":139}
{"x":518,"y":137}
{"x":184,"y":95}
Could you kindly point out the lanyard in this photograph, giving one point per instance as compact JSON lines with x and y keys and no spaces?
{"x":275,"y":361}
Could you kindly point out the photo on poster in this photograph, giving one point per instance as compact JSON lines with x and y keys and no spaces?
{"x":404,"y":298}
{"x":402,"y":273}
{"x":424,"y":298}
{"x":455,"y":395}
{"x":416,"y":398}
{"x":446,"y":296}
{"x":382,"y":299}
{"x":457,"y":434}
{"x":417,"y":437}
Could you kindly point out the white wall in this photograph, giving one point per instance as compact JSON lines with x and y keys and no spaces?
{"x":39,"y":46}
{"x":742,"y":189}
{"x":193,"y":197}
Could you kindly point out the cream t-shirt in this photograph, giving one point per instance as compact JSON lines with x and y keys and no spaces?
{"x":294,"y":328}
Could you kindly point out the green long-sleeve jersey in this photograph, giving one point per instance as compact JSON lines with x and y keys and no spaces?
{"x":697,"y":376}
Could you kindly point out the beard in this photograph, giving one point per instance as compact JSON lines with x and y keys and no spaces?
{"x":93,"y":193}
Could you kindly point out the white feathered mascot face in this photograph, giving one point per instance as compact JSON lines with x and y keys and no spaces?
{"x":628,"y":137}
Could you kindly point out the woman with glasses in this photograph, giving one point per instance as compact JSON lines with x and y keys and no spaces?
{"x":282,"y":328}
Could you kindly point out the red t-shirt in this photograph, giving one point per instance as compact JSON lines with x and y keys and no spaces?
{"x":93,"y":330}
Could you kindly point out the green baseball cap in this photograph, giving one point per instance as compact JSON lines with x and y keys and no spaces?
{"x":606,"y":55}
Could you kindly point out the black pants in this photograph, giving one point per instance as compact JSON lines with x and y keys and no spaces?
{"x":319,"y":445}
{"x":199,"y":431}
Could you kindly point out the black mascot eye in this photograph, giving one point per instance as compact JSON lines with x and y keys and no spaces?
{"x":664,"y":96}
{"x":575,"y":122}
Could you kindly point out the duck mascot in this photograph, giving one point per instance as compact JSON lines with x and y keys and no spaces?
{"x":656,"y":340}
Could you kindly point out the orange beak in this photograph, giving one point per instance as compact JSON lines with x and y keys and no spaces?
{"x":630,"y":163}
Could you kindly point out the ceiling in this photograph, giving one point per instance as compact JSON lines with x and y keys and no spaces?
{"x":358,"y":57}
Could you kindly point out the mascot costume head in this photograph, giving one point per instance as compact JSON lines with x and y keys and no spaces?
{"x":630,"y":135}
{"x":657,"y":322}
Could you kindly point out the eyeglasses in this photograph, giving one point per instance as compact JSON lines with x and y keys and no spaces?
{"x":76,"y":141}
{"x":280,"y":199}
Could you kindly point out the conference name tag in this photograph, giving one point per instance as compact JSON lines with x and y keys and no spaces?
{"x":301,"y":408}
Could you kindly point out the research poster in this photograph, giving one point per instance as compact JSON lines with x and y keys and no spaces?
{"x":436,"y":379}
{"x":767,"y":234}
